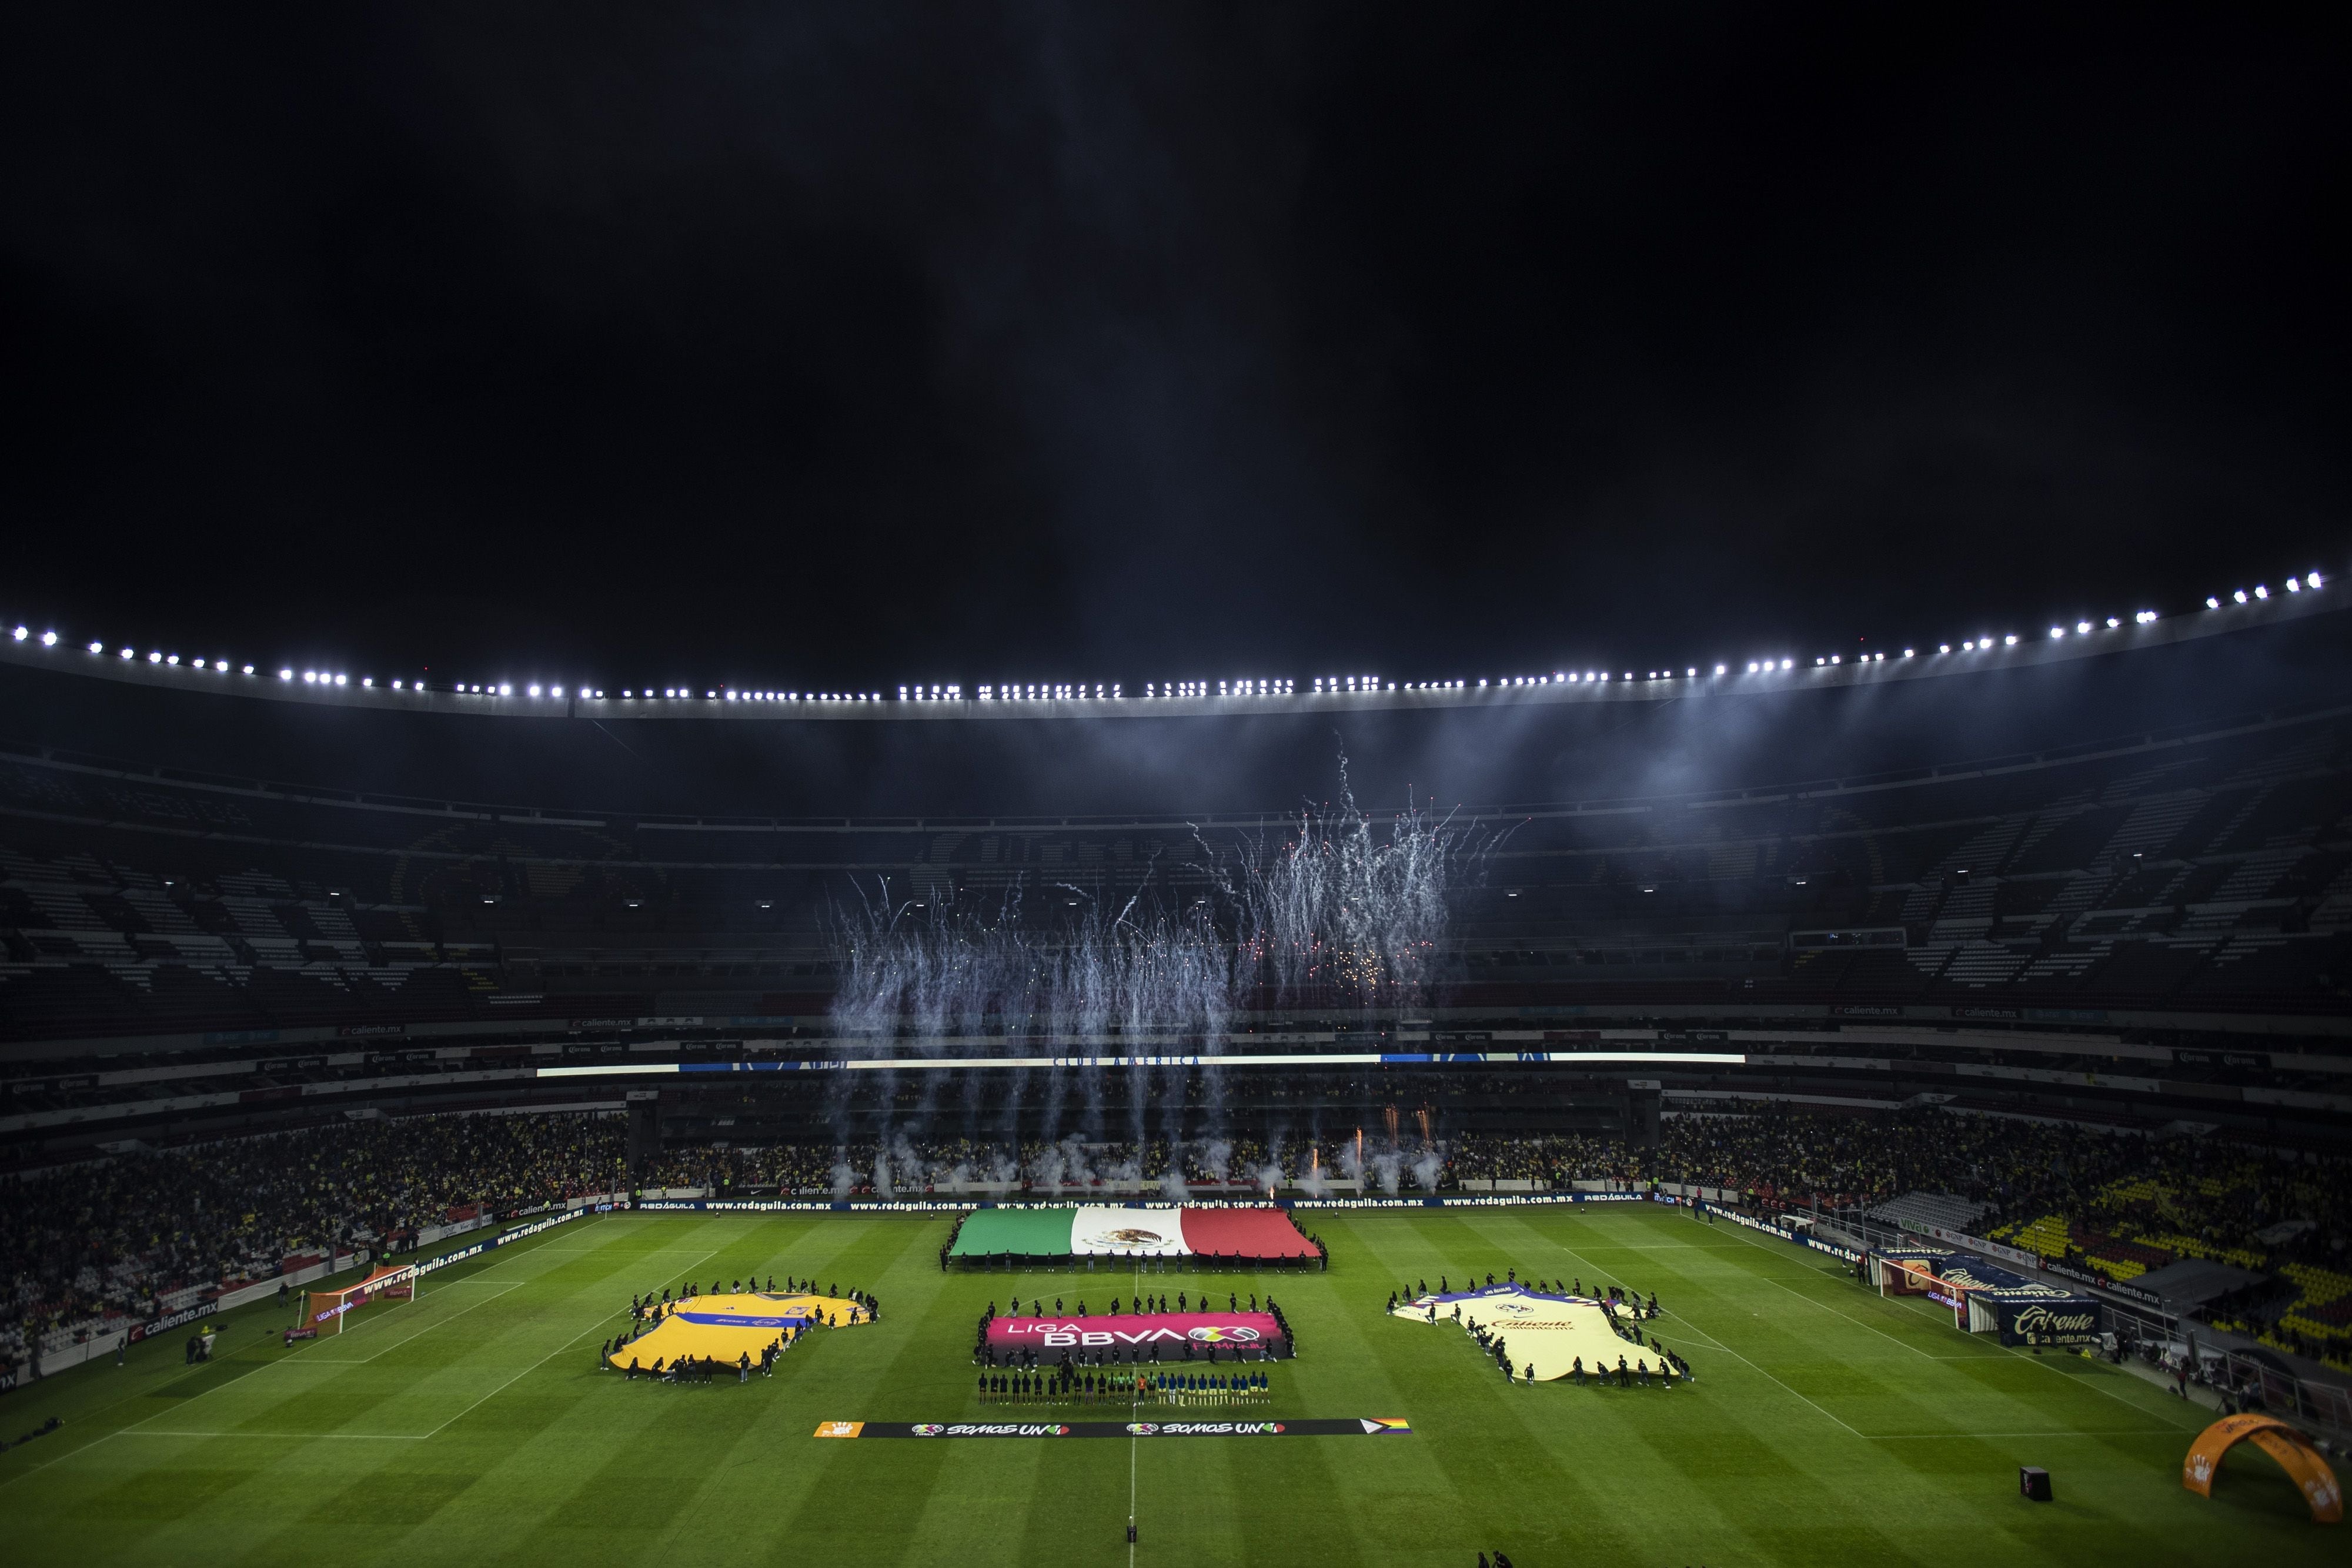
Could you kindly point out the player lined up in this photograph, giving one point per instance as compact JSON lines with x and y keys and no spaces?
{"x":1067,"y":1384}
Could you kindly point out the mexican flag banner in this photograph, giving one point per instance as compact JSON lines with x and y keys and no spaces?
{"x":1094,"y":1230}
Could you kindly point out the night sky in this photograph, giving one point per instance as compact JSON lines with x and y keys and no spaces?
{"x":848,"y":345}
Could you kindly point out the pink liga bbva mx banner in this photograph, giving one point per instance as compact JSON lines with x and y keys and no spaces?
{"x":1250,"y":1334}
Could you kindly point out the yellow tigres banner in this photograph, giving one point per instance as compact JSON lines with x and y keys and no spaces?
{"x":727,"y":1328}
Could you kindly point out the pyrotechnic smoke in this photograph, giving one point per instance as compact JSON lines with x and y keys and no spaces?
{"x":1271,"y":1174}
{"x":1337,"y":911}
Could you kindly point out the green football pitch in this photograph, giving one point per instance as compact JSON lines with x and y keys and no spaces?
{"x":1825,"y":1425}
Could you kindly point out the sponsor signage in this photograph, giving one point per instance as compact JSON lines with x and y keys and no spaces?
{"x":2255,"y":1059}
{"x":1358,"y":1426}
{"x":1866,"y":1010}
{"x":170,"y":1320}
{"x":2053,"y":1319}
{"x":1807,"y":1239}
{"x":2000,"y":1014}
{"x":1239,"y":1332}
{"x":369,"y":1031}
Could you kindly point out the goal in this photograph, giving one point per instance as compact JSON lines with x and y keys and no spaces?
{"x":1900,"y":1277}
{"x":323,"y":1311}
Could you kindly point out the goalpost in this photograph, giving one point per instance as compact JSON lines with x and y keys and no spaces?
{"x":323,"y":1311}
{"x":1899,"y":1277}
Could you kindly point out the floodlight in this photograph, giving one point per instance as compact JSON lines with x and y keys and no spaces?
{"x":343,"y":680}
{"x":2240,"y":596}
{"x":168,"y":658}
{"x":2211,"y":602}
{"x":1788,"y":663}
{"x":2057,"y":631}
{"x":2113,"y":622}
{"x":2261,"y":592}
{"x":558,"y":691}
{"x":2010,"y":641}
{"x":534,"y":691}
{"x":98,"y":647}
{"x":367,"y":680}
{"x":1907,"y":653}
{"x":21,"y":632}
{"x":222,"y":666}
{"x":156,"y":658}
{"x":129,"y":654}
{"x":285,"y":674}
{"x":1720,"y":668}
{"x":2312,"y":581}
{"x":2295,"y":585}
{"x":1751,"y":666}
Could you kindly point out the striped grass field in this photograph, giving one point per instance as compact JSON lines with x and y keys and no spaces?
{"x":1826,"y":1426}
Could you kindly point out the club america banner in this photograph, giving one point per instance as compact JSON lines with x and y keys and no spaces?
{"x":1251,"y":1334}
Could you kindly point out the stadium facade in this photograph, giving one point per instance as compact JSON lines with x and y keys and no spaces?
{"x":2108,"y":886}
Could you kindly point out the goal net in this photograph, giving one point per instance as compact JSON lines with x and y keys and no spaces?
{"x":1900,"y":1277}
{"x":323,"y":1311}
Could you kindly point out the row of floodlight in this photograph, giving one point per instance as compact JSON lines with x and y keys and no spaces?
{"x":2294,"y":585}
{"x":1333,"y":685}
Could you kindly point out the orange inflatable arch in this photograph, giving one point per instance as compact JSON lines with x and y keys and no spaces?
{"x":2282,"y":1442}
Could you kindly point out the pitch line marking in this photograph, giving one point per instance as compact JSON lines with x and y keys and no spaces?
{"x":282,"y":1361}
{"x":290,"y":1437}
{"x":1729,"y":1352}
{"x":2059,"y":1432}
{"x":1824,"y":1306}
{"x":2093,"y":1386}
{"x":1992,"y":1352}
{"x":527,"y":1371}
{"x":420,"y":1333}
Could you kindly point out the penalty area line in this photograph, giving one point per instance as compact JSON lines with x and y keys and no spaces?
{"x":290,"y":1437}
{"x":417,"y":1333}
{"x":2058,"y":1432}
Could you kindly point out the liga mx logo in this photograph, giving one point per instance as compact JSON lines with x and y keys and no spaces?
{"x":929,"y":1430}
{"x":1218,"y":1334}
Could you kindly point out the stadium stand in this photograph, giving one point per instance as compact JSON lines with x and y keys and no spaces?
{"x":2082,"y":992}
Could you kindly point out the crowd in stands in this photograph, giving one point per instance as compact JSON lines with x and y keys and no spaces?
{"x":112,"y":1240}
{"x":116,"y":1238}
{"x":869,"y":1168}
